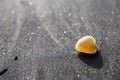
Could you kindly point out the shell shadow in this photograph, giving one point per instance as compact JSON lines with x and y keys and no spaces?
{"x":95,"y":60}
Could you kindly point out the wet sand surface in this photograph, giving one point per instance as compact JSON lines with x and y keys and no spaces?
{"x":37,"y":39}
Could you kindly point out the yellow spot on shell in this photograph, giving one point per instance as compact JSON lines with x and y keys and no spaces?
{"x":86,"y":45}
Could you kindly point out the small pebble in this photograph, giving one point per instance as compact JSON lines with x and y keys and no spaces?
{"x":3,"y":71}
{"x":38,"y":27}
{"x":16,"y":58}
{"x":65,"y":32}
{"x":86,"y":45}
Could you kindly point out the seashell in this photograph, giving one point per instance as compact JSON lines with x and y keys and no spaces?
{"x":86,"y":45}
